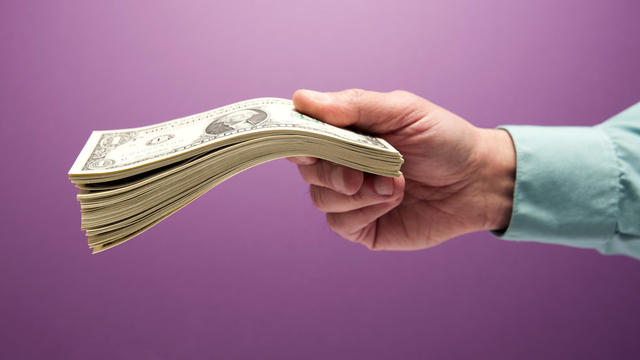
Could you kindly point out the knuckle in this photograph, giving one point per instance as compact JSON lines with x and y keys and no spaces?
{"x":324,"y":173}
{"x":360,"y":238}
{"x":353,"y":96}
{"x":358,"y":197}
{"x":306,"y":174}
{"x":313,"y":174}
{"x":361,"y":198}
{"x":317,"y":197}
{"x":399,"y":93}
{"x":366,"y":236}
{"x":354,"y":93}
{"x":335,"y":223}
{"x":406,"y":98}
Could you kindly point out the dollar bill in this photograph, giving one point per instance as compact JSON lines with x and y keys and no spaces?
{"x":131,"y":179}
{"x":119,"y":150}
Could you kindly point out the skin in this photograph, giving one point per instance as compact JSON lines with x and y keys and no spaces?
{"x":457,"y":178}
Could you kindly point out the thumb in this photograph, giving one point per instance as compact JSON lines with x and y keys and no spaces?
{"x":370,"y":111}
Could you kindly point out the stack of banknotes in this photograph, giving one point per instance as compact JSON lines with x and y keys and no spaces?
{"x":131,"y":179}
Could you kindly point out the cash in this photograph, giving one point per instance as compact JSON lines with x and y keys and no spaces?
{"x":131,"y":179}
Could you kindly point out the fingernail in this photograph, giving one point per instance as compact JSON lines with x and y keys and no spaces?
{"x":383,"y":185}
{"x":305,"y":160}
{"x":317,"y":96}
{"x":337,"y":178}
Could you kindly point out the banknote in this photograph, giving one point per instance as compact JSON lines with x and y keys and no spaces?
{"x":131,"y":179}
{"x":118,"y":150}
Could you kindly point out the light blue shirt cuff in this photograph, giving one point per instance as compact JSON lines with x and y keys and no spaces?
{"x":566,"y":189}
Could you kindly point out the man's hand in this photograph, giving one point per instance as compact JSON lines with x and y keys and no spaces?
{"x":456,"y":178}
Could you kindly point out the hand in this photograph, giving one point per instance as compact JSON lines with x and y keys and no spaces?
{"x":457,"y":178}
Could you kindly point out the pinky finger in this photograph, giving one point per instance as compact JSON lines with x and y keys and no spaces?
{"x":359,"y":225}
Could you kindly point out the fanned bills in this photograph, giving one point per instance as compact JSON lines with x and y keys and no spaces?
{"x":131,"y":179}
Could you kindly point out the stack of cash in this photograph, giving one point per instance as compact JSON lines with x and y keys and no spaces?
{"x":131,"y":179}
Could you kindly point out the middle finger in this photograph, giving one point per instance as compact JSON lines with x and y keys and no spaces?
{"x":336,"y":177}
{"x":374,"y":190}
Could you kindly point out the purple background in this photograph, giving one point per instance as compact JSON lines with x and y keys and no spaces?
{"x":250,"y":270}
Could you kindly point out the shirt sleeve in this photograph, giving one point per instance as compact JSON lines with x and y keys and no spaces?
{"x":578,"y":186}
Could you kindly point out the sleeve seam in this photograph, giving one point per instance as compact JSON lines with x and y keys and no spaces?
{"x":520,"y":174}
{"x":618,"y":188}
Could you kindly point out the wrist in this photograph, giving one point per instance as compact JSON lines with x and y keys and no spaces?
{"x":497,"y":175}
